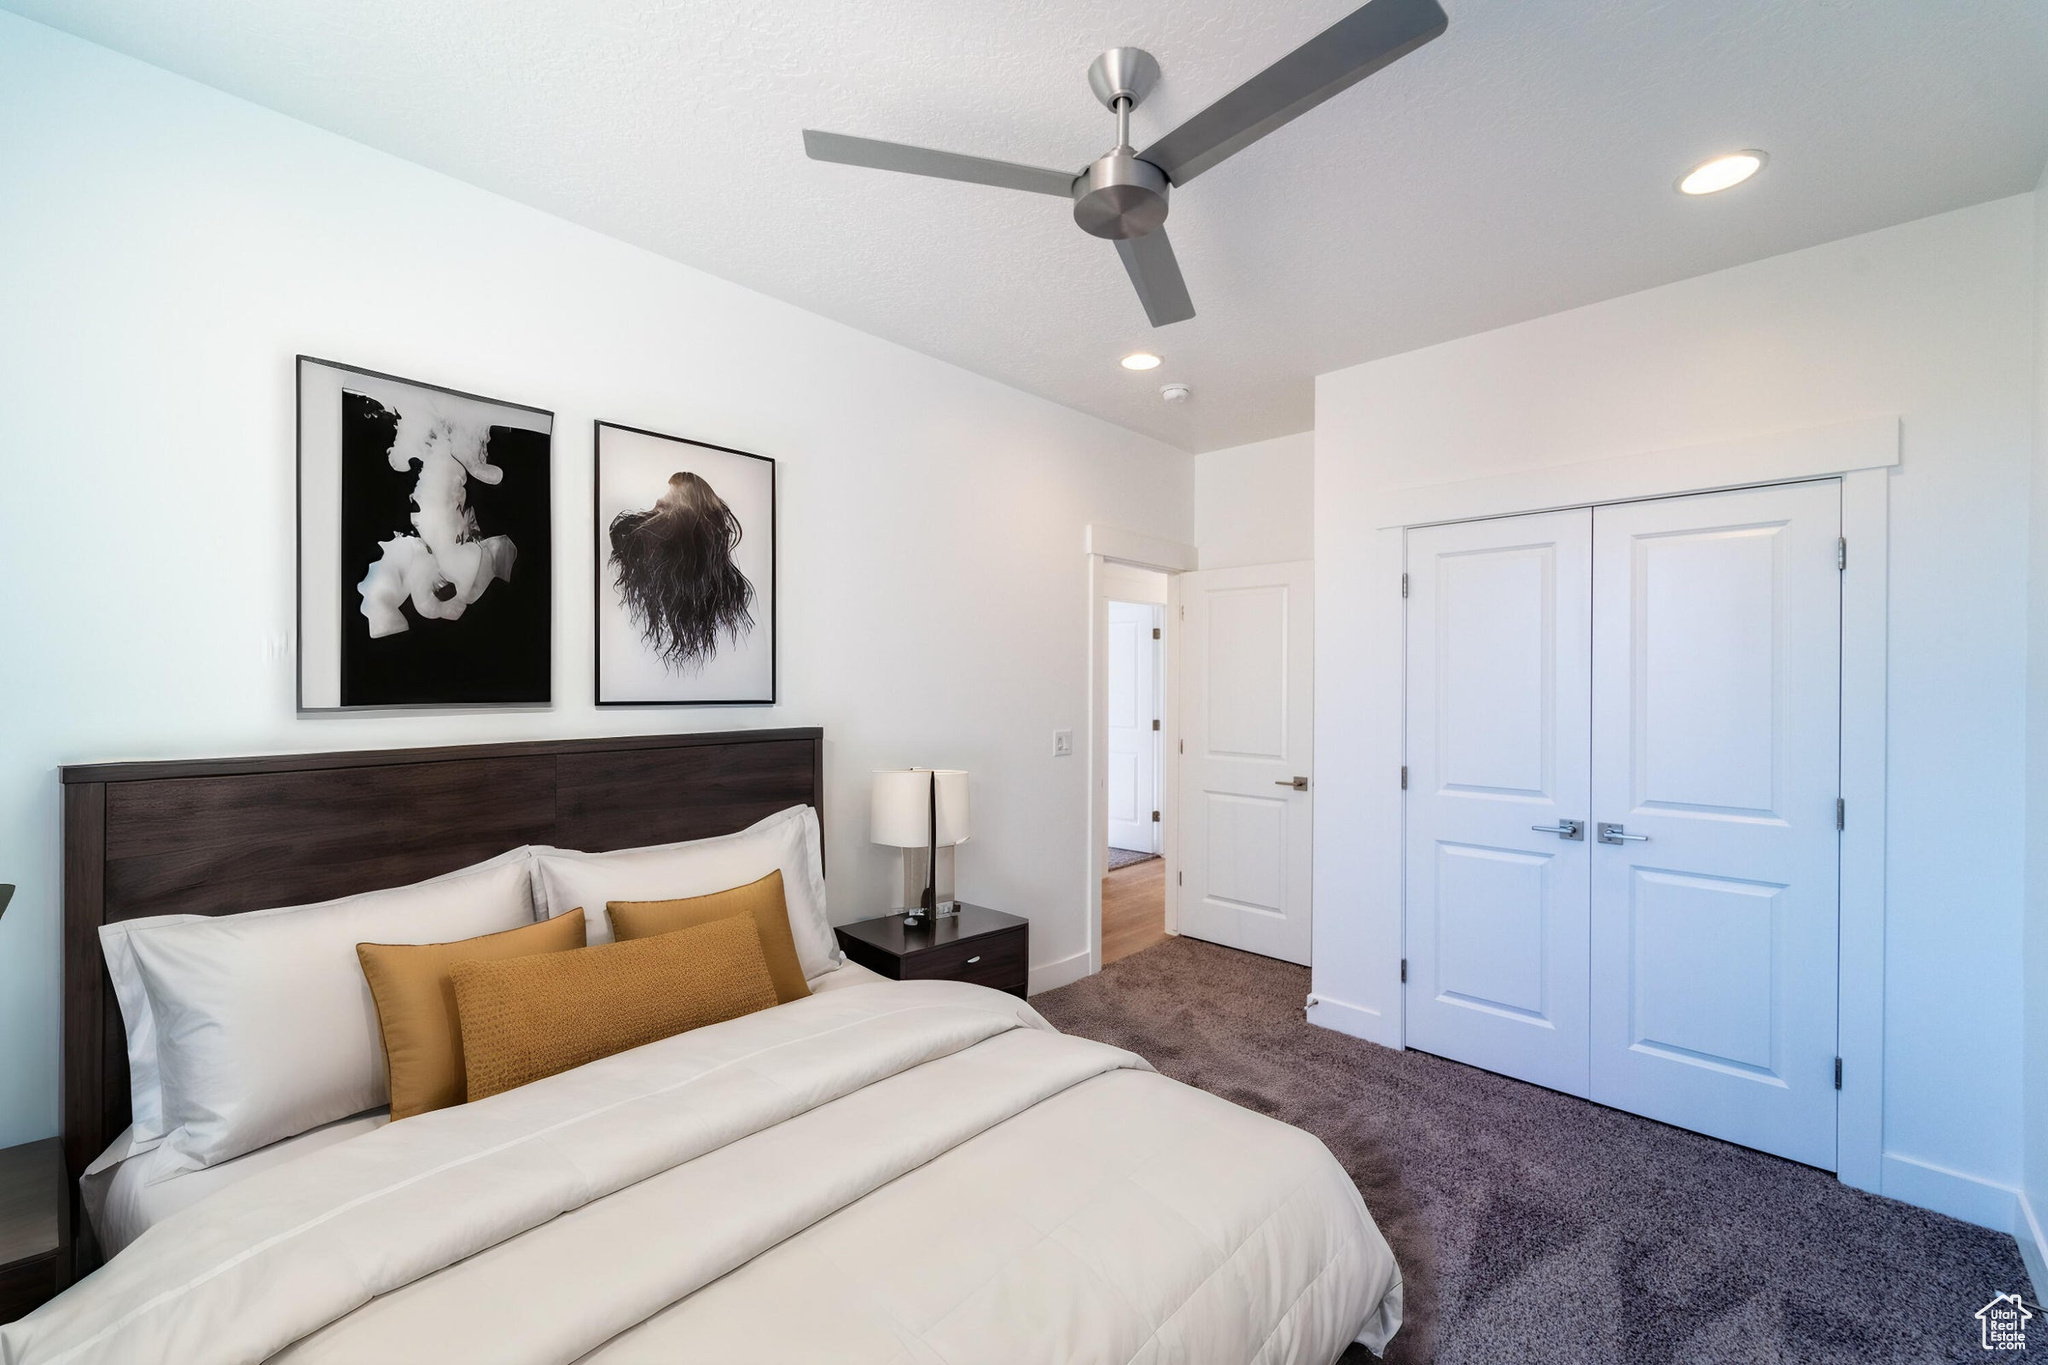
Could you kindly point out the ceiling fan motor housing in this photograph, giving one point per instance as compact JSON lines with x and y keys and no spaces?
{"x":1120,"y":197}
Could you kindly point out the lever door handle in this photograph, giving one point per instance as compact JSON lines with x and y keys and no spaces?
{"x":1614,"y":834}
{"x":1300,"y":784}
{"x":1563,"y":829}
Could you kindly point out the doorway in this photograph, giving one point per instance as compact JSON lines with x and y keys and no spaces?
{"x":1134,"y":719}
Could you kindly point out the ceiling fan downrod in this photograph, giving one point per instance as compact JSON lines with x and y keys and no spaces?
{"x":1121,"y":196}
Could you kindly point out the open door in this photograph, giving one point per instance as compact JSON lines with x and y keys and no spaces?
{"x":1247,"y":730}
{"x":1134,"y":733}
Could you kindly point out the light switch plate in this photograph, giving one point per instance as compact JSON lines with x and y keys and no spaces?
{"x":1062,"y":743}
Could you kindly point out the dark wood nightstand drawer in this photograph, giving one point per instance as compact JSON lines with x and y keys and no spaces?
{"x":28,"y":1285}
{"x":35,"y":1226}
{"x":992,"y":960}
{"x":981,"y":946}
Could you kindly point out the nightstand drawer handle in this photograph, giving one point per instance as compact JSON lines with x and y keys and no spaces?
{"x":972,"y":960}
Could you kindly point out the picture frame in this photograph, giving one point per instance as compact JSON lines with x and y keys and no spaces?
{"x":685,"y":559}
{"x":425,"y":544}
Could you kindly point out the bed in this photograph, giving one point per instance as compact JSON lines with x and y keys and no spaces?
{"x":882,"y":1171}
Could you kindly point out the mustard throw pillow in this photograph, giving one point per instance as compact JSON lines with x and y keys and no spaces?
{"x":762,"y":899}
{"x":529,"y":1017}
{"x":416,"y":1005}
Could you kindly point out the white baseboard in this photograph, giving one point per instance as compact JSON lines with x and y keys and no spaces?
{"x":1955,"y":1193}
{"x":2026,"y":1230}
{"x":1052,"y":975}
{"x":1355,"y":1020}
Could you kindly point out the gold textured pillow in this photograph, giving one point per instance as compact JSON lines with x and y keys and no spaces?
{"x":763,"y":900}
{"x":529,"y":1017}
{"x":416,"y":1005}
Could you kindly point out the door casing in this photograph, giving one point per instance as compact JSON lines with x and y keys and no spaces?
{"x":1109,"y":549}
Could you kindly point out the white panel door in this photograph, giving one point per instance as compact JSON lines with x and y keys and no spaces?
{"x":1716,"y":749}
{"x":1247,"y":663}
{"x":1499,"y":646}
{"x":1133,"y":726}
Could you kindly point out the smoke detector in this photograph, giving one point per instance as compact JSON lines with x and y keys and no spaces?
{"x":1176,"y":393}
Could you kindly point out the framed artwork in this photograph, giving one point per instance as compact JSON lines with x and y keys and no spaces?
{"x":425,"y":544}
{"x":685,"y":572}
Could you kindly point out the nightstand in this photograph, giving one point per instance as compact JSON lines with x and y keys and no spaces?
{"x":35,"y":1226}
{"x":986,"y":947}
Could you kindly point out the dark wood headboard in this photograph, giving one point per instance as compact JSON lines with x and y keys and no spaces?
{"x":220,"y":836}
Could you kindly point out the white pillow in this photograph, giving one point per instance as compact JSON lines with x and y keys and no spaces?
{"x":145,"y":1091}
{"x":787,"y":840}
{"x":264,"y":1024}
{"x":138,"y":1021}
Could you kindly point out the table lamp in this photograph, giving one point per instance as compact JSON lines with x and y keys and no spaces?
{"x":921,"y":808}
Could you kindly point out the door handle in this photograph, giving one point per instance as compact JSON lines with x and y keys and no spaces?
{"x":1300,"y":784}
{"x":1613,"y":834}
{"x":1563,"y":829}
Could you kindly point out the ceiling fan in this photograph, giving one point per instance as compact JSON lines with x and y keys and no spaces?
{"x":1121,"y":195}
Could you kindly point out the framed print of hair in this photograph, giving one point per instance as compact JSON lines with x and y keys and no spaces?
{"x":425,"y":544}
{"x":685,"y":572}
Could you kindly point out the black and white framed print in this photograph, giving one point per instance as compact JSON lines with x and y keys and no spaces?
{"x":685,"y":572}
{"x":425,"y":544}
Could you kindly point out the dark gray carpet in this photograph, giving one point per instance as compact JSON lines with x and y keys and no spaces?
{"x":1125,"y":857}
{"x":1532,"y":1227}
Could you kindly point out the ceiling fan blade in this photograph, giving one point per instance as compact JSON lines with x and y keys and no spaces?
{"x":1344,"y":54}
{"x":898,"y":156}
{"x":1154,"y":272}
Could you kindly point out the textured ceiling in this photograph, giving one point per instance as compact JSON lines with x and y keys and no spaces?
{"x":1520,"y":164}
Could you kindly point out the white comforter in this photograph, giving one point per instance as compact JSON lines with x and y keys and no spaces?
{"x":902,"y":1172}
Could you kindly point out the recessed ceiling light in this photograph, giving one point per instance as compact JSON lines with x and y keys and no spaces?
{"x":1723,"y":172}
{"x":1140,"y":360}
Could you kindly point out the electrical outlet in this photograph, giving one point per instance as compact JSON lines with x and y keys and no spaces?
{"x":1062,"y":743}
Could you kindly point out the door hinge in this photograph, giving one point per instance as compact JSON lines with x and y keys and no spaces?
{"x":1155,"y":817}
{"x":1838,"y":1073}
{"x":1404,"y":777}
{"x":1183,"y":611}
{"x":1841,"y":813}
{"x":1155,"y":632}
{"x":1180,"y":879}
{"x":1404,"y":971}
{"x":1155,"y":722}
{"x":1404,"y":585}
{"x":1842,"y":553}
{"x":1183,"y":745}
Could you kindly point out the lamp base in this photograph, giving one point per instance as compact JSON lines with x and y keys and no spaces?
{"x":913,"y":876}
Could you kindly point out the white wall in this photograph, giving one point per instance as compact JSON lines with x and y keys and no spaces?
{"x":1932,"y":320}
{"x":167,"y":250}
{"x":2034,"y":1069}
{"x":1255,"y":504}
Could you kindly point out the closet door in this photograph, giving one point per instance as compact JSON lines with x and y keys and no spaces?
{"x":1496,"y":903}
{"x":1717,"y":639}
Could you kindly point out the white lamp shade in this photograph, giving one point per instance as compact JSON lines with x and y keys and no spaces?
{"x":902,"y":815}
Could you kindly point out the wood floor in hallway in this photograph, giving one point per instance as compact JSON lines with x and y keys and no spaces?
{"x":1133,"y":909}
